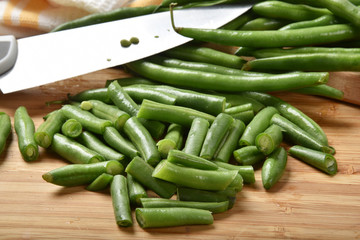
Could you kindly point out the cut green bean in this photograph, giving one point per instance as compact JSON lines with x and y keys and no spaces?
{"x":170,"y":217}
{"x":239,"y":108}
{"x":138,"y":94}
{"x":260,"y":122}
{"x":105,"y":111}
{"x":172,"y":140}
{"x":73,"y":151}
{"x":189,"y":160}
{"x":100,"y":183}
{"x":71,"y":128}
{"x":142,"y":140}
{"x":197,"y":195}
{"x":129,"y":81}
{"x":25,"y":129}
{"x":214,"y":207}
{"x":320,"y":160}
{"x":171,"y":114}
{"x":82,"y":174}
{"x":5,"y":130}
{"x":120,"y":201}
{"x":273,"y":168}
{"x":230,"y":142}
{"x":249,"y":155}
{"x":136,"y":191}
{"x":194,"y":178}
{"x":143,"y":171}
{"x":240,"y":99}
{"x":99,"y":94}
{"x":196,"y":136}
{"x":247,"y":172}
{"x":114,"y":139}
{"x":214,"y":137}
{"x":269,"y":140}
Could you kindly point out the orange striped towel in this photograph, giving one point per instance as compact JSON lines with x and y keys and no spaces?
{"x":28,"y":17}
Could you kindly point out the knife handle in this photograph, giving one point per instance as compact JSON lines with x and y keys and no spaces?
{"x":8,"y":52}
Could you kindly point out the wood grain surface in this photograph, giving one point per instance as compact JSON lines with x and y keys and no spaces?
{"x":305,"y":204}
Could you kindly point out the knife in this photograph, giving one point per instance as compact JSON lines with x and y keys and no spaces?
{"x":50,"y":57}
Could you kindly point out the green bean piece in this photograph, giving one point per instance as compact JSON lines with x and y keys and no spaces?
{"x":5,"y":130}
{"x":81,"y":174}
{"x":171,"y":114}
{"x":228,"y":83}
{"x":73,"y":151}
{"x":92,"y":142}
{"x":115,"y":140}
{"x":142,"y":140}
{"x":324,"y":20}
{"x":99,"y":94}
{"x":25,"y":128}
{"x":247,"y":172}
{"x":274,"y":38}
{"x":170,"y":217}
{"x":320,"y":160}
{"x":238,"y":182}
{"x":189,"y":160}
{"x":100,"y":183}
{"x":105,"y":111}
{"x":120,"y":201}
{"x":45,"y":132}
{"x":214,"y":137}
{"x":196,"y":136}
{"x":245,"y":116}
{"x":136,"y":191}
{"x":206,"y":55}
{"x":298,"y":136}
{"x":172,"y":140}
{"x":322,"y":90}
{"x":307,"y":62}
{"x":258,"y":124}
{"x":230,"y":142}
{"x":142,"y":172}
{"x":240,"y":99}
{"x":214,"y":207}
{"x":274,"y":167}
{"x":138,"y":94}
{"x":293,"y":12}
{"x":88,"y":120}
{"x":124,"y":102}
{"x":194,"y":178}
{"x":197,"y":195}
{"x":249,"y":155}
{"x":291,"y":113}
{"x":129,"y":81}
{"x":239,"y":108}
{"x":269,"y":140}
{"x":71,"y":128}
{"x":96,"y":18}
{"x":261,"y":23}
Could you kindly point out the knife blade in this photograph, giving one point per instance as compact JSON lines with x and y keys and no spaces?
{"x":55,"y":56}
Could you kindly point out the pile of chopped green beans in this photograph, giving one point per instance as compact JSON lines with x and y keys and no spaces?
{"x":195,"y":122}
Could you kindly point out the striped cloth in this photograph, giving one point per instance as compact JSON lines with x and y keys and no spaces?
{"x":23,"y":18}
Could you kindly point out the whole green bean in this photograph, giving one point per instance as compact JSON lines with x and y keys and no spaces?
{"x":129,"y":81}
{"x":214,"y":137}
{"x":214,"y":207}
{"x":269,"y":140}
{"x":324,"y":20}
{"x":261,"y":23}
{"x":5,"y":130}
{"x":100,"y":183}
{"x":99,"y":94}
{"x":194,"y":178}
{"x":322,"y":90}
{"x":273,"y":167}
{"x":142,"y":140}
{"x":196,"y":136}
{"x":228,"y":83}
{"x":260,"y":122}
{"x":170,"y":113}
{"x":172,"y":140}
{"x":142,"y":172}
{"x":239,"y":21}
{"x":136,"y":191}
{"x":189,"y":160}
{"x":246,"y":172}
{"x":114,"y":139}
{"x":82,"y":174}
{"x":25,"y":128}
{"x":121,"y":201}
{"x":248,"y":155}
{"x":170,"y":217}
{"x":320,"y":160}
{"x":71,"y":128}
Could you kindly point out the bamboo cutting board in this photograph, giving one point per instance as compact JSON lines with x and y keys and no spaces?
{"x":305,"y":204}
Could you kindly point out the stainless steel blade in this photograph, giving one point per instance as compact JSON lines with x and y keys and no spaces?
{"x":56,"y":56}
